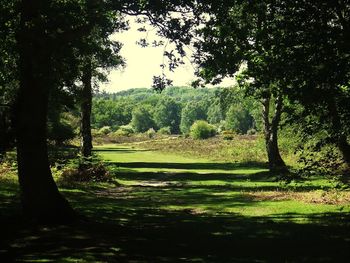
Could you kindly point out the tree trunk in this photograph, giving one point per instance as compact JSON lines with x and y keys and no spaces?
{"x":341,"y":138}
{"x":275,"y":160}
{"x":86,"y":105}
{"x":40,"y":197}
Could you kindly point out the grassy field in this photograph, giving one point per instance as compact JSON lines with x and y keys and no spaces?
{"x":163,"y":206}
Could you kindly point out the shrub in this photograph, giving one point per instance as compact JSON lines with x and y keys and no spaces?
{"x":151,"y":133}
{"x":105,"y":130}
{"x":202,"y":130}
{"x":228,"y":135}
{"x":125,"y":130}
{"x":251,"y":132}
{"x":94,"y":132}
{"x":165,"y":131}
{"x":85,"y":170}
{"x":96,"y":173}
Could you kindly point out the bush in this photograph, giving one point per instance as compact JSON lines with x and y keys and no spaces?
{"x":94,"y":132}
{"x":105,"y":130}
{"x":202,"y":130}
{"x":96,"y":173}
{"x":165,"y":131}
{"x":125,"y":130}
{"x":85,"y":170}
{"x":251,"y":132}
{"x":228,"y":135}
{"x":151,"y":133}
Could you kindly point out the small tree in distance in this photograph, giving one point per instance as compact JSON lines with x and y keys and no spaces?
{"x":191,"y":113}
{"x":168,"y":114}
{"x":202,"y":130}
{"x":142,"y":119}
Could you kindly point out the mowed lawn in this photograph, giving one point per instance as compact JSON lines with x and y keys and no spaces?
{"x":170,"y":208}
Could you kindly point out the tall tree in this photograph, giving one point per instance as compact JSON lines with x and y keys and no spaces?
{"x":85,"y":109}
{"x":46,"y":37}
{"x":41,"y":199}
{"x":235,"y":37}
{"x":98,"y":54}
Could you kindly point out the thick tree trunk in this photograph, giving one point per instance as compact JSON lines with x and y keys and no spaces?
{"x":86,"y":105}
{"x":40,"y":197}
{"x":275,"y":160}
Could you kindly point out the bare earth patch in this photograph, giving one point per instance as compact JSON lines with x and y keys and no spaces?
{"x":314,"y":197}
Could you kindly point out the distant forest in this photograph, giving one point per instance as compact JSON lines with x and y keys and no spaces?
{"x":175,"y":110}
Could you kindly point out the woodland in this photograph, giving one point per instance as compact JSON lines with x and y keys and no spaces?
{"x":255,"y":172}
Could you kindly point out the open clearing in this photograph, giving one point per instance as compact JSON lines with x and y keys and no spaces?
{"x":170,"y":208}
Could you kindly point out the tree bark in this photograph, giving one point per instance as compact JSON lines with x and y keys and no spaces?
{"x":275,"y":160}
{"x":86,"y":106}
{"x":40,"y":197}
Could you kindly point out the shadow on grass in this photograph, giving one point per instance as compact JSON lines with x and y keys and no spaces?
{"x":116,"y":234}
{"x":131,"y":224}
{"x":118,"y":150}
{"x":259,"y":181}
{"x":137,"y":223}
{"x":192,"y":166}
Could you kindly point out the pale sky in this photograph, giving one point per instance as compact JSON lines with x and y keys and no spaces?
{"x":144,"y":63}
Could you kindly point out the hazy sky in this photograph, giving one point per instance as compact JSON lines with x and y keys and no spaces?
{"x":144,"y":63}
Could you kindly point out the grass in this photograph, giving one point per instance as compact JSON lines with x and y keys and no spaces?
{"x":167,"y":207}
{"x":197,"y":184}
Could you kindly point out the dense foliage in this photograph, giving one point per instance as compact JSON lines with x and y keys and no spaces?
{"x":291,"y":57}
{"x":176,"y":108}
{"x":202,"y":130}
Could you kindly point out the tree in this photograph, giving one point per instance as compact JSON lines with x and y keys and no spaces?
{"x":46,"y":35}
{"x":41,"y":199}
{"x":192,"y":112}
{"x":8,"y":74}
{"x":98,"y":52}
{"x":59,"y":129}
{"x":238,"y":119}
{"x":114,"y":113}
{"x":236,"y":36}
{"x":319,"y":65}
{"x":45,"y":44}
{"x":215,"y":115}
{"x":168,"y":114}
{"x":142,"y":119}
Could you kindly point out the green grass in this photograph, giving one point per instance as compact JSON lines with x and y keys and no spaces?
{"x":168,"y":207}
{"x":200,"y":185}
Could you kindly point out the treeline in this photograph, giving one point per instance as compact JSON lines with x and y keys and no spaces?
{"x":175,"y":110}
